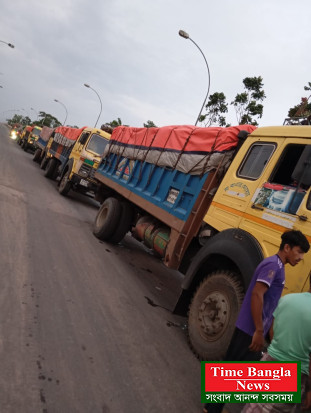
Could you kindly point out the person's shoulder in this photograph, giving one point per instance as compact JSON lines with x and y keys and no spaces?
{"x":273,"y":261}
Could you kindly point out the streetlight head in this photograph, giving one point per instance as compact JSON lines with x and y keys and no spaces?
{"x":55,"y":100}
{"x":86,"y":85}
{"x":183,"y":34}
{"x":11,"y":45}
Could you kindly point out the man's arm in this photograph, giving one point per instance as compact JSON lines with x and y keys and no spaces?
{"x":256,"y":308}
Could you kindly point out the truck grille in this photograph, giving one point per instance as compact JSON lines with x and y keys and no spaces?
{"x":86,"y":171}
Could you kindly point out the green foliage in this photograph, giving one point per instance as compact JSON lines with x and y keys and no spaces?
{"x":215,"y":107}
{"x":303,"y":109}
{"x":246,"y":104}
{"x":46,"y":119}
{"x":150,"y":124}
{"x":115,"y":123}
{"x":19,"y":119}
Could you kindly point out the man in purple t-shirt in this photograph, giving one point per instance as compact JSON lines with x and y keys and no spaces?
{"x":262,"y":296}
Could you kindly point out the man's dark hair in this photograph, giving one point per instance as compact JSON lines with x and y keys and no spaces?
{"x":295,"y":239}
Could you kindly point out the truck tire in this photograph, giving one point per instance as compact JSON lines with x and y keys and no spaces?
{"x":107,"y":219}
{"x":50,"y":168}
{"x":213,"y":313}
{"x":37,"y":155}
{"x":25,"y":147}
{"x":44,"y":162}
{"x":65,"y":184}
{"x":124,"y":223}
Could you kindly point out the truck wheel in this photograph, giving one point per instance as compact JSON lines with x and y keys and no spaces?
{"x":50,"y":168}
{"x":107,"y":219}
{"x":37,"y":155}
{"x":213,"y":313}
{"x":124,"y":223}
{"x":65,"y":184}
{"x":44,"y":162}
{"x":25,"y":147}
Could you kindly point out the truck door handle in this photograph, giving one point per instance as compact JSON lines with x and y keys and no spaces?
{"x":255,"y":206}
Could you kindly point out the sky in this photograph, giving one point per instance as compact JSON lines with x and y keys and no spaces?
{"x":130,"y":53}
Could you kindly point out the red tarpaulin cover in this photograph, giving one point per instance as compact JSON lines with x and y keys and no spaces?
{"x":45,"y":133}
{"x":180,"y":138}
{"x":69,"y":133}
{"x":188,"y":149}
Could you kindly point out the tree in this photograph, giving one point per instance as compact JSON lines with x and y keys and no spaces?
{"x":19,"y":119}
{"x":46,"y":119}
{"x":215,"y":107}
{"x":115,"y":123}
{"x":303,"y":109}
{"x":150,"y":124}
{"x":246,"y":104}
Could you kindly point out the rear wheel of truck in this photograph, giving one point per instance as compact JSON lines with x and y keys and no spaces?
{"x":50,"y":168}
{"x":25,"y":147}
{"x":213,"y":313}
{"x":65,"y":184}
{"x":44,"y":162}
{"x":37,"y":155}
{"x":124,"y":223}
{"x":107,"y":219}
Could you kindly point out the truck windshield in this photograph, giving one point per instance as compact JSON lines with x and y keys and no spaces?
{"x":97,"y":144}
{"x":36,"y":132}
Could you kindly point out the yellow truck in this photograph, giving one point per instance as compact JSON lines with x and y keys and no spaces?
{"x":72,"y":155}
{"x":30,"y":139}
{"x":213,"y":222}
{"x":24,"y":134}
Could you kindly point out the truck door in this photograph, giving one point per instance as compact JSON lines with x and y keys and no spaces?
{"x":283,"y":201}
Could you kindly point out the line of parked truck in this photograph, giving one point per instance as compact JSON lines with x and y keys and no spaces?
{"x":210,"y":202}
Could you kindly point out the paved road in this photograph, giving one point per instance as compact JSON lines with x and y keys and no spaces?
{"x":84,"y":326}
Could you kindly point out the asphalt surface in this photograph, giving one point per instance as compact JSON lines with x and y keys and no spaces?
{"x":85,"y":326}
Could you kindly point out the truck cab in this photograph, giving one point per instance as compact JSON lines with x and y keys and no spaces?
{"x":24,"y":135}
{"x":265,"y":191}
{"x":76,"y":165}
{"x":30,"y":141}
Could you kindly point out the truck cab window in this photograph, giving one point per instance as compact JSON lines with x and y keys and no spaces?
{"x":255,"y":160}
{"x":283,"y":173}
{"x":84,"y":137}
{"x":289,"y":182}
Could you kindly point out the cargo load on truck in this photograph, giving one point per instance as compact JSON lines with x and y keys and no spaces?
{"x":188,"y":149}
{"x":42,"y":143}
{"x":44,"y":136}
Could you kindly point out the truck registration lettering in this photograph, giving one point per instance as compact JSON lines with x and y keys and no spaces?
{"x":172,"y":196}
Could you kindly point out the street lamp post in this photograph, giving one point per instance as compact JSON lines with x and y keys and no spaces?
{"x":9,"y":44}
{"x":101,"y":106}
{"x":55,"y":100}
{"x":185,"y":35}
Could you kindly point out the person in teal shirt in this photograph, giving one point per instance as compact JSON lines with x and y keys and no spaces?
{"x":291,"y":342}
